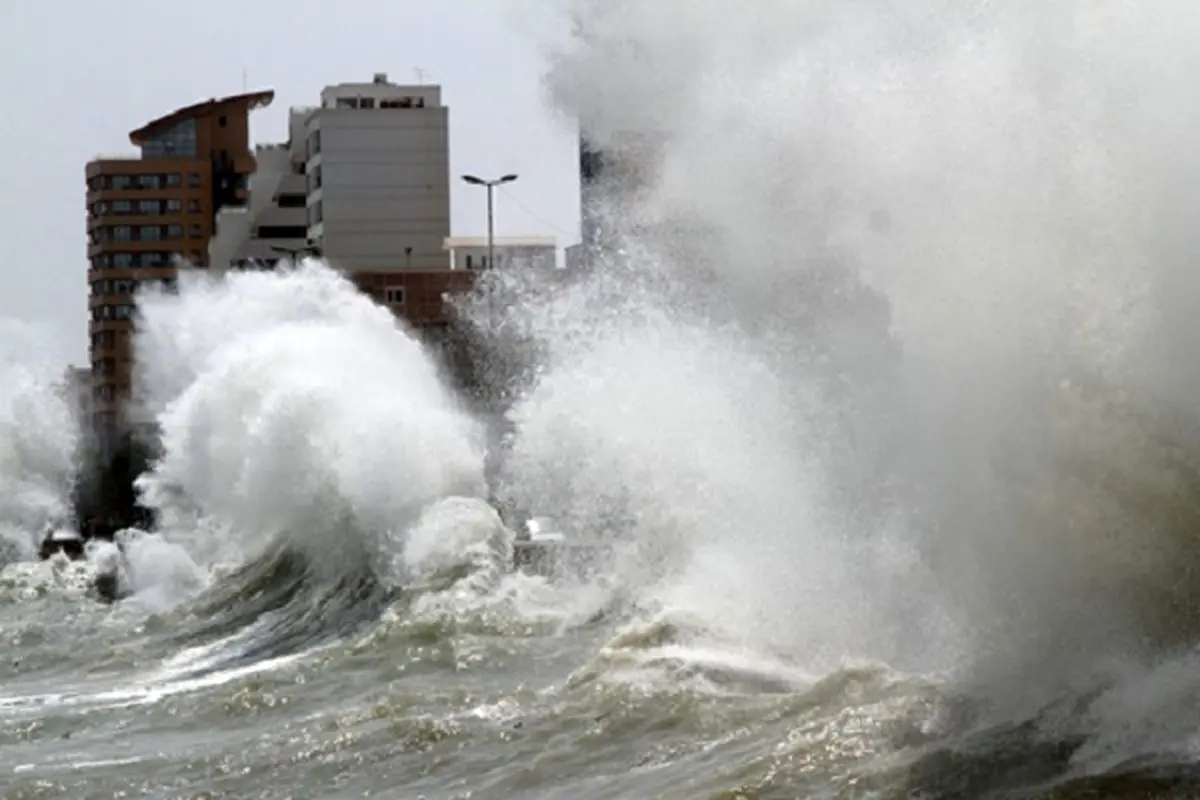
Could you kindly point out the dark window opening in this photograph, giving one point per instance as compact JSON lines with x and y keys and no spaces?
{"x":282,"y":231}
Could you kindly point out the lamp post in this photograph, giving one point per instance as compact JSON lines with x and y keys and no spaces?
{"x":491,"y":234}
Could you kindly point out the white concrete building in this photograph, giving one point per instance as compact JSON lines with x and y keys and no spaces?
{"x":378,"y":166}
{"x":274,"y":222}
{"x":471,"y":252}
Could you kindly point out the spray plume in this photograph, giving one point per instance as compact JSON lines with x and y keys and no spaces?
{"x":892,"y":327}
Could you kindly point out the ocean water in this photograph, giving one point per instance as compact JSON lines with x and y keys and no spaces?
{"x":880,"y":410}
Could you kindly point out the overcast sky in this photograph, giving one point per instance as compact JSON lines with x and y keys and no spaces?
{"x":76,"y":77}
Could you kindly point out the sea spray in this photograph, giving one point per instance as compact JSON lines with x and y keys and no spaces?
{"x":944,"y":243}
{"x":39,"y":442}
{"x":290,"y":405}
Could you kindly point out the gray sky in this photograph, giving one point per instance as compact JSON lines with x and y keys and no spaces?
{"x":77,"y":77}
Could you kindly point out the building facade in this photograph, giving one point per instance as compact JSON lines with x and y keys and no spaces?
{"x":273,"y":224}
{"x":146,"y":214}
{"x":378,"y":167}
{"x":364,"y":182}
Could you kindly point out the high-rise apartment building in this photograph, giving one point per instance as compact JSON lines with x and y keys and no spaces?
{"x":148,"y":212}
{"x":378,"y":165}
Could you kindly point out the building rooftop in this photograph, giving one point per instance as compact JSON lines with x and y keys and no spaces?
{"x":252,"y":100}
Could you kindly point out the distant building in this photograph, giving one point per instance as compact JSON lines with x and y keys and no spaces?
{"x":148,"y":212}
{"x":273,"y":224}
{"x":378,"y":166}
{"x":533,"y":252}
{"x":612,"y":177}
{"x":591,"y":189}
{"x":364,"y":182}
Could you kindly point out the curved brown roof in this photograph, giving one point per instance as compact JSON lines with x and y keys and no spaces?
{"x":251,"y":100}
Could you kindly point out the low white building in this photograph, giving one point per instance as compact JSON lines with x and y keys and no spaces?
{"x":274,"y":222}
{"x":532,"y":252}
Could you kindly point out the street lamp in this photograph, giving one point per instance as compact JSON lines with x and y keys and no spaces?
{"x":490,"y":185}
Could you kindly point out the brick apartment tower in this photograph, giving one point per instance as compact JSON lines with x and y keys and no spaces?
{"x":145,"y":214}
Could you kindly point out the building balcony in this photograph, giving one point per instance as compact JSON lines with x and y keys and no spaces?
{"x":132,"y":273}
{"x":110,"y":219}
{"x":134,"y":164}
{"x":95,"y":301}
{"x":167,"y":246}
{"x":102,"y":325}
{"x":110,"y":349}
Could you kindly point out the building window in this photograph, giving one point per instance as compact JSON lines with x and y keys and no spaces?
{"x":366,"y":102}
{"x":193,"y":205}
{"x":175,"y":231}
{"x":173,"y":179}
{"x":149,"y":181}
{"x":122,"y":207}
{"x":149,"y":207}
{"x":281,"y":232}
{"x":121,"y":233}
{"x":394,"y":295}
{"x":150,"y":233}
{"x":179,"y":140}
{"x":174,"y":205}
{"x":223,"y":121}
{"x":194,"y":180}
{"x":292,"y":200}
{"x":194,"y":231}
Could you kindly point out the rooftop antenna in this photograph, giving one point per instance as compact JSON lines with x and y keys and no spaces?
{"x":420,"y":73}
{"x":245,"y":81}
